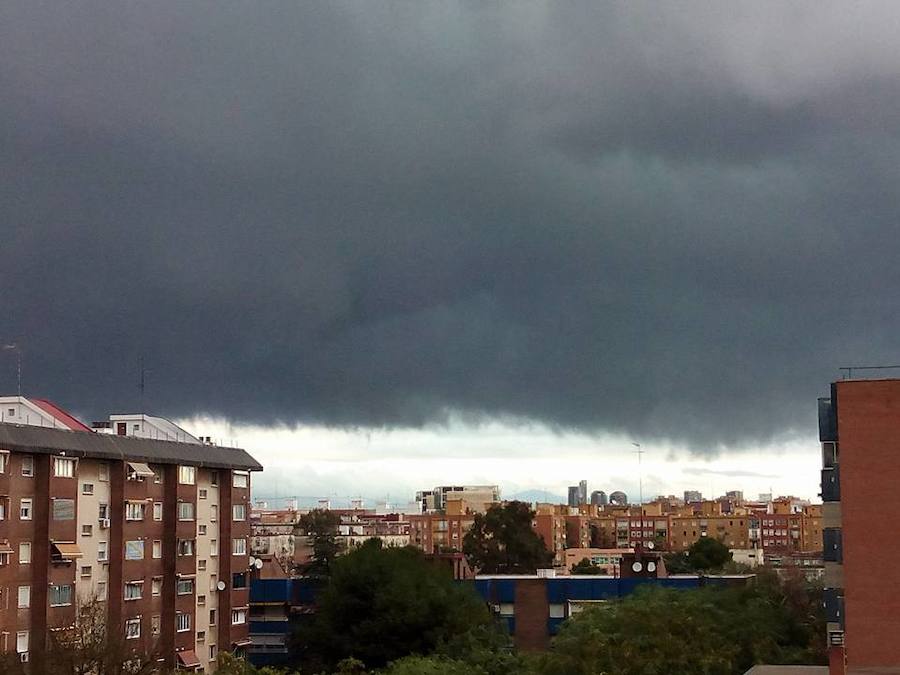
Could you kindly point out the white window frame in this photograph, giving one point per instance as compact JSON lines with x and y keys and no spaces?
{"x":187,"y":475}
{"x":64,"y":467}
{"x":182,"y":622}
{"x":132,"y":628}
{"x":102,"y":549}
{"x":24,"y":559}
{"x":186,"y":511}
{"x":238,"y":617}
{"x":157,"y":511}
{"x":136,"y":589}
{"x":135,"y":511}
{"x":26,"y":508}
{"x":239,"y":546}
{"x":71,"y":594}
{"x":240,"y":479}
{"x":28,"y":466}
{"x":135,"y":541}
{"x":23,"y":601}
{"x":239,"y":512}
{"x":184,"y":583}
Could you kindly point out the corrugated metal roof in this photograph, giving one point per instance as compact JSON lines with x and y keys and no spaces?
{"x":43,"y":440}
{"x":59,"y":414}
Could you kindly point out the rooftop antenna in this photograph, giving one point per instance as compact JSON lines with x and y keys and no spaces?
{"x":14,"y":347}
{"x":848,"y":370}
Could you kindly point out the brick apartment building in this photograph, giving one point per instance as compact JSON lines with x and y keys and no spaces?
{"x":156,"y":530}
{"x":859,"y":428}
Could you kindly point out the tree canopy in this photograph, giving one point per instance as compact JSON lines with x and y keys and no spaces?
{"x":381,"y":604}
{"x":321,"y":527}
{"x":502,"y":541}
{"x":705,"y":555}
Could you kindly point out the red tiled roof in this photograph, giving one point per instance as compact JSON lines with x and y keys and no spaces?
{"x":59,"y":414}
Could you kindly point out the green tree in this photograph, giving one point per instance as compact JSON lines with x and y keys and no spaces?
{"x":321,"y":526}
{"x":381,"y":604}
{"x":585,"y":566}
{"x":704,"y":555}
{"x":502,"y":541}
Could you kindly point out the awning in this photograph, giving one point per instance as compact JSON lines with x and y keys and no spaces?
{"x":141,"y":469}
{"x":244,"y":642}
{"x":188,"y":659}
{"x":5,"y":548}
{"x":67,"y":551}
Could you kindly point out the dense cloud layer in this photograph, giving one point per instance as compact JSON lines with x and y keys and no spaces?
{"x":642,"y":218}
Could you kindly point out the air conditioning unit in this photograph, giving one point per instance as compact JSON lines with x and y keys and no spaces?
{"x":23,"y":657}
{"x":104,"y":523}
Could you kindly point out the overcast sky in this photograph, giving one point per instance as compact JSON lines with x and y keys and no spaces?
{"x":662,"y":222}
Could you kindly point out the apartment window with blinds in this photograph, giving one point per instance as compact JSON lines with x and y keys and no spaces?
{"x":239,"y":547}
{"x":63,"y":509}
{"x":185,"y":510}
{"x":240,"y":479}
{"x":187,"y":475}
{"x":63,"y":467}
{"x":24,"y":552}
{"x":157,"y":511}
{"x":183,"y":622}
{"x":134,"y":550}
{"x":4,"y":461}
{"x":185,"y":547}
{"x":24,"y":509}
{"x":28,"y":466}
{"x":213,"y":547}
{"x":156,"y":586}
{"x":24,"y":597}
{"x":238,"y":616}
{"x":134,"y":590}
{"x":239,"y":512}
{"x":184,"y":586}
{"x":157,"y":548}
{"x":22,"y":641}
{"x":134,"y":510}
{"x":102,"y":554}
{"x":103,"y":471}
{"x":60,"y":595}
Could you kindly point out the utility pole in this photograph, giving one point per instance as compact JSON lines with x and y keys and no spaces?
{"x":640,"y":452}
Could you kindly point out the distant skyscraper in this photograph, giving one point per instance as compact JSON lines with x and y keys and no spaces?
{"x":598,"y":498}
{"x":618,"y":497}
{"x":765,"y":496}
{"x":582,"y":492}
{"x":735,"y":495}
{"x":692,"y":496}
{"x":573,"y":495}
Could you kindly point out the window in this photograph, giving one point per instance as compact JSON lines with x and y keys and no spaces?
{"x":22,"y":641}
{"x":239,"y":547}
{"x":4,"y":461}
{"x":103,"y":511}
{"x":63,"y":509}
{"x":238,"y":616}
{"x":157,"y":477}
{"x":214,"y":478}
{"x":185,"y":547}
{"x":60,"y":595}
{"x":240,"y":479}
{"x":103,"y":471}
{"x":185,"y":510}
{"x":4,"y":509}
{"x":101,"y":590}
{"x":183,"y":622}
{"x":201,"y":529}
{"x":132,"y":628}
{"x":201,"y":493}
{"x":186,"y":475}
{"x":28,"y":466}
{"x":134,"y":590}
{"x":239,"y":512}
{"x":24,"y":597}
{"x":184,"y":586}
{"x":154,"y":625}
{"x":24,"y":552}
{"x":201,"y":600}
{"x":239,"y":580}
{"x":201,"y":565}
{"x":102,"y":552}
{"x":213,"y":548}
{"x":212,"y":652}
{"x":25,"y":509}
{"x":212,"y":583}
{"x":201,"y":636}
{"x":134,"y":550}
{"x":212,"y":617}
{"x":157,"y":511}
{"x":213,"y":512}
{"x":87,"y":530}
{"x":134,"y":510}
{"x":87,"y":488}
{"x":63,"y":467}
{"x":156,"y":586}
{"x":157,"y":549}
{"x":86,"y":572}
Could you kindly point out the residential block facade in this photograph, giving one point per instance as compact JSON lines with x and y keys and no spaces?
{"x":157,"y":531}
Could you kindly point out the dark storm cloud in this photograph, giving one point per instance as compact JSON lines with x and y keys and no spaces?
{"x":671,"y":223}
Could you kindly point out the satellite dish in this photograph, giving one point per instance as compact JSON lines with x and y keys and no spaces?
{"x":651,"y":566}
{"x":220,"y":586}
{"x":258,"y":564}
{"x":252,"y":561}
{"x":637,"y":567}
{"x":651,"y":546}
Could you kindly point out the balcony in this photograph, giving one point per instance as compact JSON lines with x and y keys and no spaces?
{"x":832,"y":545}
{"x":831,"y":484}
{"x":834,"y":606}
{"x":827,"y":420}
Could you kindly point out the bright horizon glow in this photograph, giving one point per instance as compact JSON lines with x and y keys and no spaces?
{"x":313,"y":462}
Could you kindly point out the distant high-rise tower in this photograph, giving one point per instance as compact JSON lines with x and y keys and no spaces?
{"x":618,"y":497}
{"x":582,"y":492}
{"x":692,"y":496}
{"x":598,"y":498}
{"x":573,"y":495}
